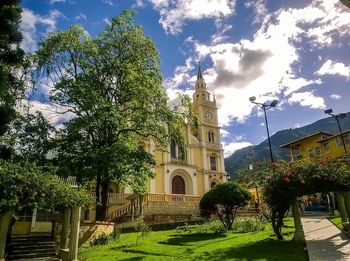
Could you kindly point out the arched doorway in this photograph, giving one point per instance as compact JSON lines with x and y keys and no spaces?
{"x":178,"y":185}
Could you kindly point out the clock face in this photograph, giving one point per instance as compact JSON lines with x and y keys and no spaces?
{"x":208,"y":115}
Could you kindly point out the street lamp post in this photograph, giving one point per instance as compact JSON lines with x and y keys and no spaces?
{"x":337,"y":117}
{"x":265,"y":106}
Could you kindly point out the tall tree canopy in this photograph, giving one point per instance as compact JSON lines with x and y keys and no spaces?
{"x":11,"y":61}
{"x":112,"y":84}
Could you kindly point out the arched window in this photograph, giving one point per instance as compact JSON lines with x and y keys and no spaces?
{"x":212,"y":184}
{"x":211,"y":137}
{"x":177,"y":151}
{"x":181,"y":153}
{"x":212,"y":163}
{"x":173,"y":149}
{"x":178,"y":185}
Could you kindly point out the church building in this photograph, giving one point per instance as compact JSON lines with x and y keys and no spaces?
{"x":183,"y":175}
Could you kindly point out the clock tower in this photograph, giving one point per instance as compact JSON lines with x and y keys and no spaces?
{"x":204,"y":105}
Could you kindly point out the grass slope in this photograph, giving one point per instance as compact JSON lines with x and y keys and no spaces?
{"x":337,"y":222}
{"x":172,"y":245}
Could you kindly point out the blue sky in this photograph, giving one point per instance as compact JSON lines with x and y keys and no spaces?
{"x":297,"y":52}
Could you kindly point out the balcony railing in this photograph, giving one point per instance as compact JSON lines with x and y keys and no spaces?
{"x":213,"y":145}
{"x":178,"y":161}
{"x":171,"y":198}
{"x":115,"y":198}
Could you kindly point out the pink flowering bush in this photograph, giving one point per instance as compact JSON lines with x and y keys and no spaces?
{"x":283,"y":182}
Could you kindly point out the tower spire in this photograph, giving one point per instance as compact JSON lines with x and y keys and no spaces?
{"x":199,"y":74}
{"x":200,"y":83}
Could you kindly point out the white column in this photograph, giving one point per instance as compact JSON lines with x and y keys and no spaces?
{"x":167,"y":189}
{"x":189,"y":147}
{"x":152,"y":185}
{"x":32,"y":224}
{"x":194,"y":181}
{"x":74,"y":235}
{"x":222,"y":161}
{"x":152,"y":182}
{"x":206,"y":182}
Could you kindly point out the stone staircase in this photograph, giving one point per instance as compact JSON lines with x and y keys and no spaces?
{"x":32,"y":247}
{"x":124,"y":212}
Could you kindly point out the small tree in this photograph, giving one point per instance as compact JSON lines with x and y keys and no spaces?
{"x":142,"y":229}
{"x":224,"y":200}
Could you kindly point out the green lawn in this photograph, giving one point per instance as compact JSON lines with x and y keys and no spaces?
{"x":172,"y":245}
{"x":337,"y":221}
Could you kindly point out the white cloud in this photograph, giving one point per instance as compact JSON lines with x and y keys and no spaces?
{"x":28,"y":26}
{"x":308,"y":99}
{"x":335,"y":96}
{"x":259,"y":7}
{"x":230,"y":148}
{"x":325,"y":21}
{"x":224,"y":133}
{"x":173,"y":14}
{"x":334,"y":68}
{"x":266,"y":65}
{"x":108,"y":2}
{"x":55,"y":114}
{"x":81,"y":16}
{"x":56,"y":1}
{"x":106,"y":20}
{"x":293,"y":84}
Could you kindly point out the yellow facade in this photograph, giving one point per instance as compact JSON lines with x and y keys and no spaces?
{"x":183,"y":174}
{"x":195,"y":169}
{"x":320,"y":144}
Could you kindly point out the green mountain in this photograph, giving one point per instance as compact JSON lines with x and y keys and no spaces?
{"x":243,"y":157}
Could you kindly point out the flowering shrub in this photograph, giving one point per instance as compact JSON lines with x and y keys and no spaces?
{"x":283,"y":182}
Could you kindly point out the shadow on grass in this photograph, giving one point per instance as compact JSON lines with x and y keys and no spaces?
{"x":268,"y":249}
{"x":132,"y":258}
{"x":183,"y":239}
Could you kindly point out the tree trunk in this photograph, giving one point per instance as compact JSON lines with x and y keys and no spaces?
{"x":342,"y":209}
{"x":346,"y":196}
{"x":101,"y":209}
{"x":5,"y":219}
{"x":277,"y":223}
{"x":65,"y":229}
{"x":74,"y":234}
{"x":299,"y":232}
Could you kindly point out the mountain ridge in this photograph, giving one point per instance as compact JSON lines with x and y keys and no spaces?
{"x":245,"y":156}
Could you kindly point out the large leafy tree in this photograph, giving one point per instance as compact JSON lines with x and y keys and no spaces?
{"x":11,"y":61}
{"x":112,"y":85}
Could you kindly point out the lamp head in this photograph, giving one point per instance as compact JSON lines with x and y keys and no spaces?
{"x":252,"y":99}
{"x":274,"y":103}
{"x":342,"y":115}
{"x":329,"y":111}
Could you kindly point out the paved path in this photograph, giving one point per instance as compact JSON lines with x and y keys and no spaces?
{"x":324,"y":241}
